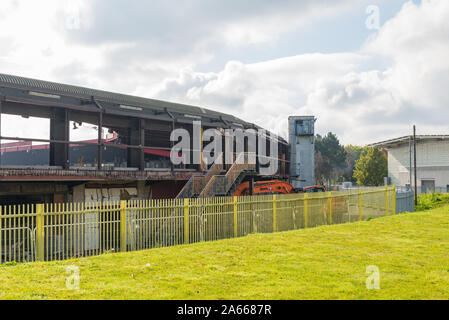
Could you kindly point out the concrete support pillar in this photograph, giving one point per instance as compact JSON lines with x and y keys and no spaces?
{"x":79,"y":193}
{"x":136,"y":156}
{"x":143,"y":191}
{"x":59,"y":130}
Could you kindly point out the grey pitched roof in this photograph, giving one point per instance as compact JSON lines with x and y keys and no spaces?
{"x":405,"y":139}
{"x":150,"y":105}
{"x":69,"y":90}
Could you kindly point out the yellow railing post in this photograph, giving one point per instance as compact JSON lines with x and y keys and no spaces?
{"x":394,"y":200}
{"x":386,"y":200}
{"x":1,"y":222}
{"x":274,"y":213}
{"x":305,"y":209}
{"x":360,"y":204}
{"x":330,"y":207}
{"x":235,"y":217}
{"x":186,"y":221}
{"x":40,"y":236}
{"x":123,"y":226}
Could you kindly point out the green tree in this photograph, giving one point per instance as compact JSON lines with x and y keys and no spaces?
{"x":353,"y":153}
{"x":330,"y":156}
{"x":371,"y":168}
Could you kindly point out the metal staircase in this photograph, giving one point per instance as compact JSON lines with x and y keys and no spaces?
{"x":196,"y":184}
{"x":221,"y":185}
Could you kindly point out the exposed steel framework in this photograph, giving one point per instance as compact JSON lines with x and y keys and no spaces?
{"x":139,"y":122}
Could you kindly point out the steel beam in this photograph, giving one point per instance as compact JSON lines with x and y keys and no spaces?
{"x":172,"y":143}
{"x":257,"y":151}
{"x":59,"y":130}
{"x":112,"y":109}
{"x":82,"y":143}
{"x":136,"y":138}
{"x":100,"y":134}
{"x":142,"y":143}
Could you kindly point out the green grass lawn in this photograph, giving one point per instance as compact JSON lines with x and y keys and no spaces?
{"x":329,"y":262}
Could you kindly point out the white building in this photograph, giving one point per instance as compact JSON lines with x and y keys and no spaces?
{"x":432,"y":161}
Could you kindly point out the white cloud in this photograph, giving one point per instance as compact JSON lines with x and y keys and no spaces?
{"x":268,"y":27}
{"x":417,"y":41}
{"x":135,"y":47}
{"x":96,"y":43}
{"x":361,"y":107}
{"x":154,"y":51}
{"x":265,"y":93}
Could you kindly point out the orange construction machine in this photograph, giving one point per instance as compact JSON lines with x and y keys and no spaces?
{"x":339,"y":204}
{"x":273,"y":187}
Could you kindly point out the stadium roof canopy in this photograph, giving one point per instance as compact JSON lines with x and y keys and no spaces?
{"x":45,"y":93}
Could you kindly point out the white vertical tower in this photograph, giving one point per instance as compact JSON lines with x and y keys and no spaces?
{"x":302,"y":152}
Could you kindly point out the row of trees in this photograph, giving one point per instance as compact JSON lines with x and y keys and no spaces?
{"x":336,"y":163}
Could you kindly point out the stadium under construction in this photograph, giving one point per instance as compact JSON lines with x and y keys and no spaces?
{"x":133,"y":160}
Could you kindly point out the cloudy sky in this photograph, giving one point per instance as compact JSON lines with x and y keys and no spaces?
{"x":260,"y":60}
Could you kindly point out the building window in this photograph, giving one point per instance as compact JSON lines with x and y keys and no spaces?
{"x":305,"y":127}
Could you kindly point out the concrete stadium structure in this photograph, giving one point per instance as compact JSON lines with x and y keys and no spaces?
{"x":432,"y":157}
{"x":131,"y":163}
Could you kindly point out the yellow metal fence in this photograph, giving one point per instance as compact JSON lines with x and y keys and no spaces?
{"x":62,"y":231}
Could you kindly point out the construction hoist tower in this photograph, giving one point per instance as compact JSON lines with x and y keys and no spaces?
{"x":302,"y":152}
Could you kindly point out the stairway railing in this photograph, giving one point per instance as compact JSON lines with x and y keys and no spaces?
{"x":197,"y":183}
{"x":221,"y":184}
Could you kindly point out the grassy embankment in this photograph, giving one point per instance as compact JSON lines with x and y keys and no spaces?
{"x":327,"y":262}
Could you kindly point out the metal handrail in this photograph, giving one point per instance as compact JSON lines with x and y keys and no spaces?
{"x":221,"y":184}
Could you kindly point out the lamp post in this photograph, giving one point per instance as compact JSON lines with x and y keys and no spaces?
{"x":410,"y":161}
{"x":414,"y":165}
